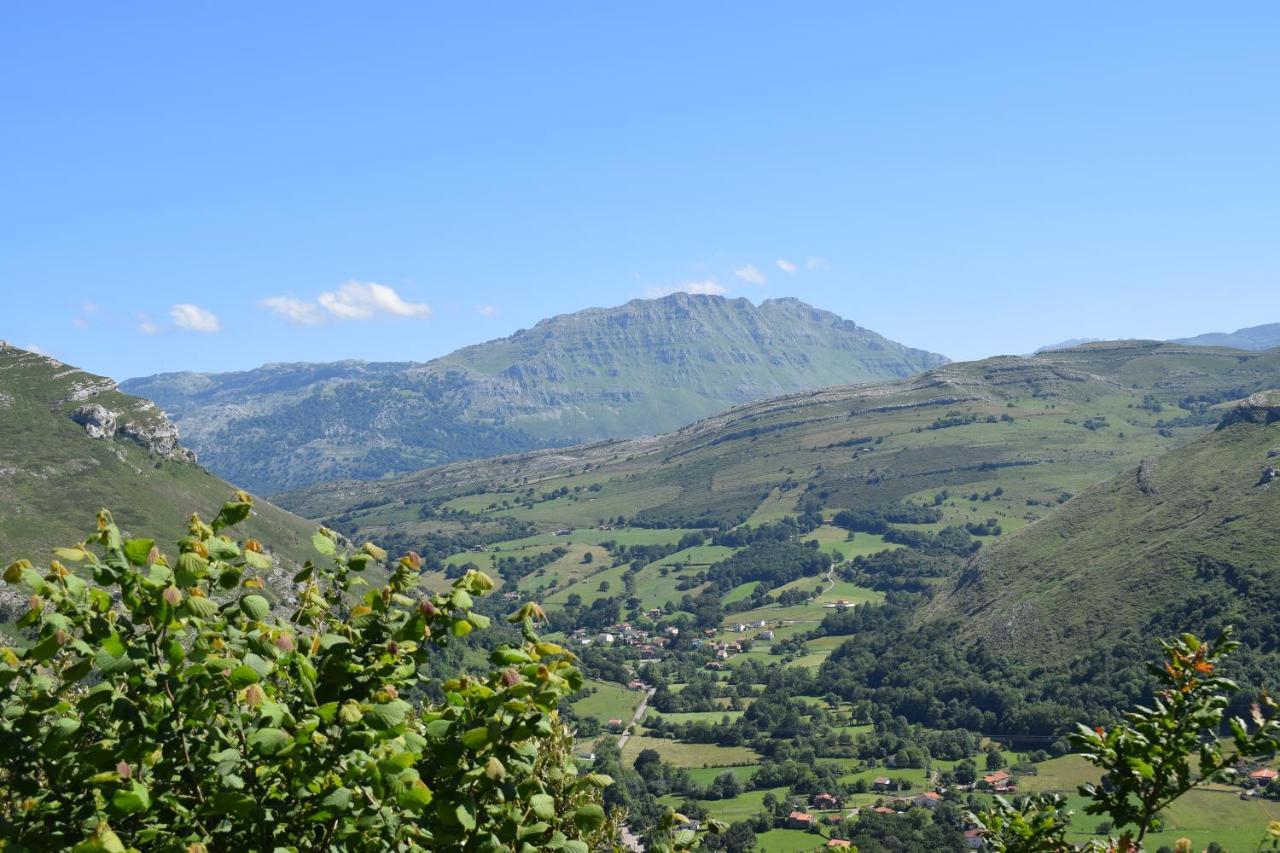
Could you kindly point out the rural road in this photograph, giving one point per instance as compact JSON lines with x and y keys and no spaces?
{"x":630,"y":841}
{"x":636,"y":717}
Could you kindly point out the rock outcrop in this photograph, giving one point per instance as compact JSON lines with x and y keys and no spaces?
{"x":98,"y":421}
{"x":158,"y":434}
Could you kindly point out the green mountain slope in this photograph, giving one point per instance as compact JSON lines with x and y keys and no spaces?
{"x":72,"y":443}
{"x":1251,"y":338}
{"x":1004,"y":438}
{"x":1188,"y":538}
{"x":638,"y":369}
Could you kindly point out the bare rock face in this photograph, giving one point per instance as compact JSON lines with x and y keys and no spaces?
{"x":158,"y":436}
{"x":98,"y":421}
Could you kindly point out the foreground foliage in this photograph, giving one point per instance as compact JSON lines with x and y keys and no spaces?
{"x":163,"y":705}
{"x":1149,"y":759}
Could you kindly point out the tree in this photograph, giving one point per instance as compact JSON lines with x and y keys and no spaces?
{"x":164,"y":705}
{"x":995,"y":759}
{"x":1149,"y":759}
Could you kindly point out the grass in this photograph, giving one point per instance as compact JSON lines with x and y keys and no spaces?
{"x":746,"y":805}
{"x":788,"y":841}
{"x":697,"y":716}
{"x":843,"y":545}
{"x":609,"y":702}
{"x":705,"y":775}
{"x":683,"y":754}
{"x":56,"y":478}
{"x":733,"y":466}
{"x":1070,"y":580}
{"x":1201,"y":815}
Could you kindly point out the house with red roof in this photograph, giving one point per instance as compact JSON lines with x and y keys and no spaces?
{"x":800,"y":820}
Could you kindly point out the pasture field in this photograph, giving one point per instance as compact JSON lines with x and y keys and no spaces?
{"x":746,"y":805}
{"x":683,"y":754}
{"x":789,"y":841}
{"x":842,"y":545}
{"x":696,"y":716}
{"x":1203,"y":815}
{"x":705,"y":775}
{"x":778,"y":505}
{"x":609,"y":702}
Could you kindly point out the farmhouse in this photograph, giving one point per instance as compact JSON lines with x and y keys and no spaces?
{"x":927,"y":800}
{"x":1263,"y":776}
{"x":824,"y":802}
{"x":839,"y":842}
{"x":615,"y":725}
{"x":799,"y":820}
{"x":881,"y":782}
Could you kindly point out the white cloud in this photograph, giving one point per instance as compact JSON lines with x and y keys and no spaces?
{"x":707,"y":287}
{"x":357,"y":300}
{"x":37,"y":349}
{"x":80,"y":322}
{"x":749,"y":273}
{"x":816,"y":263}
{"x":193,"y":317}
{"x":294,"y":310}
{"x":487,"y":310}
{"x":89,"y":307}
{"x":786,"y":266}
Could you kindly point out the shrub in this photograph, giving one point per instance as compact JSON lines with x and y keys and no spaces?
{"x":164,"y":705}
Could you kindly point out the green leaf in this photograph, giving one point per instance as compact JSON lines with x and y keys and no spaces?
{"x":255,"y":607}
{"x":416,"y":796}
{"x":338,"y":799}
{"x":475,"y":738}
{"x":543,"y":806}
{"x":323,"y":544}
{"x":259,"y":561}
{"x":136,"y":550}
{"x":200,"y":607}
{"x":465,"y":817}
{"x":244,"y":675}
{"x":232,"y":513}
{"x":389,"y":714}
{"x":269,"y":741}
{"x":233,"y":802}
{"x":438,"y":729}
{"x":222,"y":548}
{"x":132,"y":800}
{"x":590,"y":816}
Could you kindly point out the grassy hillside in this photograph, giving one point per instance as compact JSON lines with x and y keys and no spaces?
{"x":1006,"y":438}
{"x":55,"y":476}
{"x":637,"y":369}
{"x":1186,"y":538}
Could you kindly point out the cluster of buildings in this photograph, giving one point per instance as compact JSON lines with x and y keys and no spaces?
{"x":649,"y":644}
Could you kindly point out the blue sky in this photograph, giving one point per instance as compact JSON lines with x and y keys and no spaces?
{"x":213,"y":188}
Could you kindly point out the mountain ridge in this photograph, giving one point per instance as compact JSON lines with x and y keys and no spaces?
{"x":1036,"y":426}
{"x":641,"y":368}
{"x":1262,"y":337}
